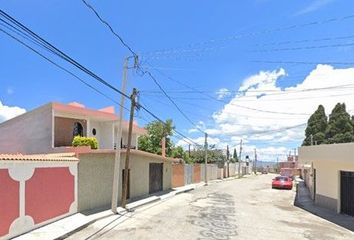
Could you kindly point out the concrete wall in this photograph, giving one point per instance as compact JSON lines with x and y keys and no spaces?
{"x":188,"y":174}
{"x":35,"y":193}
{"x":328,"y":161}
{"x":28,"y":133}
{"x":96,"y":174}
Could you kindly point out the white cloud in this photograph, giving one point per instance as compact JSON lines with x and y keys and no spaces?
{"x":283,"y":112}
{"x":222,"y":93}
{"x":7,"y":112}
{"x":313,"y":6}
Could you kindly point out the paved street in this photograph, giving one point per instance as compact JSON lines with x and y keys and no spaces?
{"x":237,"y":209}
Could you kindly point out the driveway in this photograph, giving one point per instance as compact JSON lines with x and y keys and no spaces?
{"x":236,"y":209}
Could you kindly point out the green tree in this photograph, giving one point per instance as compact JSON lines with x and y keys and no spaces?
{"x":316,"y":127}
{"x":214,"y":155}
{"x":340,"y":128}
{"x":234,"y":156}
{"x":152,"y":141}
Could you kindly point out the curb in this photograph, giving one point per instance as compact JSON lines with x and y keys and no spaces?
{"x":137,"y":204}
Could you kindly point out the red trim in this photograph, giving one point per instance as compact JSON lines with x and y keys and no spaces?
{"x":9,"y":201}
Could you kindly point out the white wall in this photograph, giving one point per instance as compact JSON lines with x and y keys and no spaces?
{"x":30,"y":132}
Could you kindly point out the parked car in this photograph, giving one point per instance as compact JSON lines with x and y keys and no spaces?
{"x":282,"y":182}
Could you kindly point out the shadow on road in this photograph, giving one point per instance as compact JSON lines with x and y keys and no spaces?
{"x":303,"y":200}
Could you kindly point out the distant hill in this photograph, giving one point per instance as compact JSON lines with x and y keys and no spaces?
{"x":265,"y":164}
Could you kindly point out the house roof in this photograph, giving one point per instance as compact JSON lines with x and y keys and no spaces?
{"x":104,"y":114}
{"x":56,"y":157}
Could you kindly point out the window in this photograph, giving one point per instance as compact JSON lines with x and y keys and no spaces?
{"x":78,"y":129}
{"x":94,"y":131}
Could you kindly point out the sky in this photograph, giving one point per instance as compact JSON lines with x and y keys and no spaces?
{"x":252,"y":70}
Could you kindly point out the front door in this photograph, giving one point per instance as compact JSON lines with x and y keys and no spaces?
{"x":347,"y":192}
{"x":155,"y":177}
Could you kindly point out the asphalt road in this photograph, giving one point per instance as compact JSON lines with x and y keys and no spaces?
{"x":237,"y":209}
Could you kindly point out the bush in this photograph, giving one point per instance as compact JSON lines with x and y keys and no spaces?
{"x":85,"y":141}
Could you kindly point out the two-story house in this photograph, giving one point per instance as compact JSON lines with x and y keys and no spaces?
{"x":52,"y":127}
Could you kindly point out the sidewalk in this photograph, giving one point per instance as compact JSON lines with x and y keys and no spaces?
{"x":69,"y":225}
{"x":303,"y":200}
{"x":66,"y":226}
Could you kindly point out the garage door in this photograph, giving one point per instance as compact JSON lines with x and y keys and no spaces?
{"x":155,"y":177}
{"x":347,"y":193}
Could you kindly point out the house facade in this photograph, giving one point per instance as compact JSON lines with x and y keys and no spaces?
{"x":52,"y":127}
{"x":328,"y":172}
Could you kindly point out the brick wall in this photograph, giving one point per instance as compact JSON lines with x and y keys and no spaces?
{"x":177,"y":175}
{"x":196,"y":173}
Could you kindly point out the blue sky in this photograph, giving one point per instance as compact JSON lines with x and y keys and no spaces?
{"x":208,"y":45}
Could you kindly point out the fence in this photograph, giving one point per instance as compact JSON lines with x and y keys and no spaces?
{"x":35,"y":191}
{"x":184,"y":174}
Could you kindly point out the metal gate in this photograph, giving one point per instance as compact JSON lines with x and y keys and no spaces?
{"x":155,"y":177}
{"x":347,"y":192}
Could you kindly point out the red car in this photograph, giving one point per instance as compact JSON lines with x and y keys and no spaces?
{"x":282,"y":182}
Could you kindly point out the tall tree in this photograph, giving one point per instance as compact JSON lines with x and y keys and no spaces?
{"x":156,"y":131}
{"x":316,"y":127}
{"x":340,"y":128}
{"x":234,"y":156}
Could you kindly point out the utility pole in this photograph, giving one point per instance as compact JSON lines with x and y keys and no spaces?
{"x":127,"y":155}
{"x":239,"y":161}
{"x":311,"y":137}
{"x":255,"y":161}
{"x":228,"y":160}
{"x":118,"y":136}
{"x":206,"y":159}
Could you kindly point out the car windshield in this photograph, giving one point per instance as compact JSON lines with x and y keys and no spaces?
{"x":281,"y":178}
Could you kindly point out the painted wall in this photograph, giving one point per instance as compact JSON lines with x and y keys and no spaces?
{"x":33,"y":194}
{"x":177,"y":175}
{"x":28,"y":133}
{"x":95,"y":174}
{"x":64,"y":129}
{"x":328,"y":160}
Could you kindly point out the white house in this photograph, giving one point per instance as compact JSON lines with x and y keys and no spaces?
{"x":52,"y":127}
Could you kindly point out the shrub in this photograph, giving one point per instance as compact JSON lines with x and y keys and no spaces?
{"x":85,"y":141}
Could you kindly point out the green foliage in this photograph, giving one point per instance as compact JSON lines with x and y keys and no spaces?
{"x":316,"y":126}
{"x":340,"y":127}
{"x":214,"y":155}
{"x":152,"y":141}
{"x":234,"y":156}
{"x":85,"y":141}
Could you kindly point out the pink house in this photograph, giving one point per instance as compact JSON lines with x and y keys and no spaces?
{"x":51,"y":128}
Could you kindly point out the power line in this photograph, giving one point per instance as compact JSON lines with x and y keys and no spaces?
{"x":110,"y":28}
{"x":305,"y":41}
{"x":59,"y":53}
{"x":172,"y":101}
{"x":305,"y":47}
{"x":144,"y":71}
{"x":220,"y":100}
{"x":302,"y":62}
{"x":36,"y":38}
{"x":252,"y":34}
{"x":61,"y":67}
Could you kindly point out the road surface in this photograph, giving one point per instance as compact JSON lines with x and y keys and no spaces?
{"x":236,"y":209}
